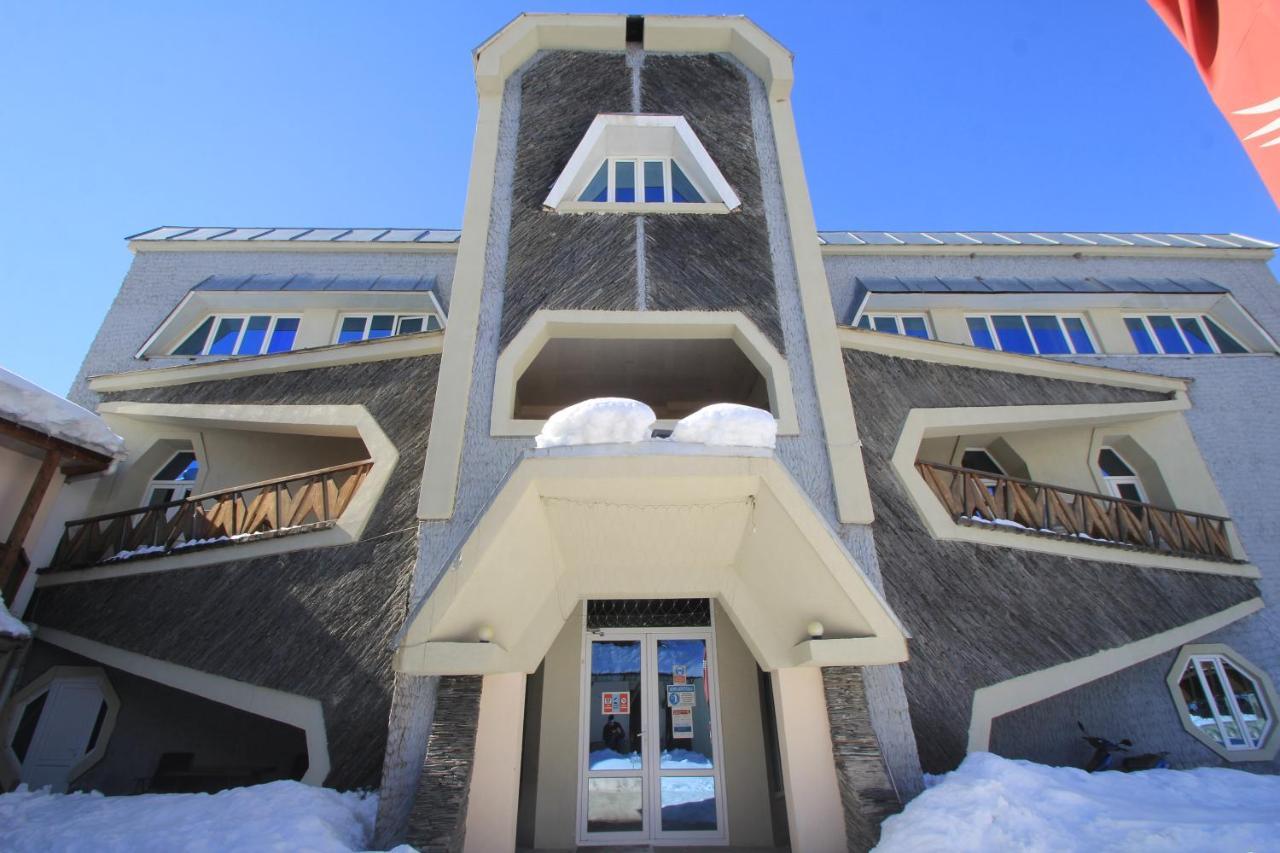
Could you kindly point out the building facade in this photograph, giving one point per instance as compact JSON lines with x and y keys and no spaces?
{"x":1009,"y":483}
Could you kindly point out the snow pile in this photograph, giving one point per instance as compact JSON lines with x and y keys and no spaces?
{"x":991,"y":803}
{"x":728,"y":425}
{"x":274,"y":816}
{"x":605,"y":420}
{"x":33,"y":407}
{"x":10,"y":626}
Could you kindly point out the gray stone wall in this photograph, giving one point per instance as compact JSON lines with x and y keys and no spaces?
{"x":157,"y":282}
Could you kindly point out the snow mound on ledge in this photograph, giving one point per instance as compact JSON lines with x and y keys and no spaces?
{"x":728,"y":425}
{"x":992,"y":803}
{"x":10,"y":625}
{"x":31,"y":406}
{"x":604,"y":420}
{"x":274,"y":816}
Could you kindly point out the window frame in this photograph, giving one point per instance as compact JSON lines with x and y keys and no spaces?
{"x":216,"y":319}
{"x":1060,"y":317}
{"x":1266,"y":746}
{"x":668,"y":186}
{"x":1113,"y":482}
{"x":1199,"y":319}
{"x":181,"y":488}
{"x":898,"y":317}
{"x":397,"y":319}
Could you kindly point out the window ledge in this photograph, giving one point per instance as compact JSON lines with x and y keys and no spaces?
{"x":640,"y":207}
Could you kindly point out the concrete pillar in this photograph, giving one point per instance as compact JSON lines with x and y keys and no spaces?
{"x":815,"y":814}
{"x":494,"y":796}
{"x":413,"y":709}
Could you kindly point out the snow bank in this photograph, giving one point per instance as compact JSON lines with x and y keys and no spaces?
{"x":729,"y":425}
{"x":10,"y":625}
{"x":275,"y":816}
{"x":31,"y":406}
{"x":605,"y":420}
{"x":991,"y":803}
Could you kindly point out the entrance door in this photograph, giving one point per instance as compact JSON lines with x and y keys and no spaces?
{"x":68,"y":720}
{"x":650,"y":739}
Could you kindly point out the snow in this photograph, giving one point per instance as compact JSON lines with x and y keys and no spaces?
{"x":10,"y":625}
{"x":609,"y":759}
{"x":33,"y":407}
{"x":992,"y":803}
{"x":671,"y":759}
{"x":283,"y":816}
{"x":604,"y":420}
{"x":728,"y":425}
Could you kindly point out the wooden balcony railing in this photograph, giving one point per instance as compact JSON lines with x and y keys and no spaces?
{"x":1040,"y":509}
{"x":270,"y":508}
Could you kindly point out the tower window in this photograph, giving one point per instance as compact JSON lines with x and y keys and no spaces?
{"x":652,"y":180}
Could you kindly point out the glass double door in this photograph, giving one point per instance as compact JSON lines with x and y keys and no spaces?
{"x":650,"y":738}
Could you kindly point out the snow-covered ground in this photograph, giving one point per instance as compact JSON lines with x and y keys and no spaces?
{"x":277,"y":816}
{"x":994,"y":804}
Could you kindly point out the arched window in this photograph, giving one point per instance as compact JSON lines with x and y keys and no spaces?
{"x":174,"y":480}
{"x":1122,"y":481}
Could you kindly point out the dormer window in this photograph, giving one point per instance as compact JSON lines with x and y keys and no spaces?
{"x":634,"y":163}
{"x":254,"y":334}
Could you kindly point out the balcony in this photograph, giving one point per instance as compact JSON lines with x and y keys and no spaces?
{"x":284,"y":506}
{"x":980,"y":498}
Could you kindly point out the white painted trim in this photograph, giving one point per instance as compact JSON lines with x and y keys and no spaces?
{"x":299,"y":711}
{"x":10,"y":767}
{"x":815,"y":813}
{"x":494,"y":791}
{"x":997,"y":699}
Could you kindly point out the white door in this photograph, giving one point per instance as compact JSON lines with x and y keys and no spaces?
{"x":650,"y":749}
{"x":62,"y":735}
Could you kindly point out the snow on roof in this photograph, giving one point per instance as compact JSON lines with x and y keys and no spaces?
{"x":11,"y":627}
{"x":31,"y":406}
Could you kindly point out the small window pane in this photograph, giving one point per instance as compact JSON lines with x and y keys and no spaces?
{"x":182,"y":467}
{"x":381,"y":326}
{"x":1078,"y":334}
{"x":160,"y":496}
{"x":194,"y":344}
{"x":1167,"y":334}
{"x":409,"y":325}
{"x":616,"y":712}
{"x":864,"y":322}
{"x":615,"y":805}
{"x":980,"y":333}
{"x":684,"y":733}
{"x":1141,"y":338}
{"x":1048,"y":334}
{"x":254,"y":336}
{"x":915,"y":327}
{"x":1129,"y":491}
{"x":1225,"y":342}
{"x":681,"y":187}
{"x":27,"y":726}
{"x":624,"y":180}
{"x":1112,"y":465}
{"x":653,"y":182}
{"x":1198,"y":705}
{"x":352,"y":329}
{"x":688,"y":804}
{"x":1196,"y":336}
{"x":1012,"y":333}
{"x":224,"y":340}
{"x":283,"y":334}
{"x":433,"y":323}
{"x":981,"y":460}
{"x":1248,"y":698}
{"x":598,"y":189}
{"x":886,"y":324}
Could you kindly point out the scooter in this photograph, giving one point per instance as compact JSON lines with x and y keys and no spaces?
{"x":1105,"y":751}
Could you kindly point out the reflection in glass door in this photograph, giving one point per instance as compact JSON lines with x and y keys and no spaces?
{"x":651,"y":735}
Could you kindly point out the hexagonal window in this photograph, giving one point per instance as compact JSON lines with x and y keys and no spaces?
{"x":1225,"y":702}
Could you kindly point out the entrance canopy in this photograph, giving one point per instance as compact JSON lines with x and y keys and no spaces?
{"x":660,"y":522}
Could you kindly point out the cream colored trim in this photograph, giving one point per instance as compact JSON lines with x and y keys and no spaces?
{"x":1070,"y":251}
{"x":349,"y":528}
{"x":927,"y":423}
{"x":702,"y":207}
{"x":962,"y":355}
{"x":259,"y":246}
{"x":289,"y":708}
{"x":735,"y":34}
{"x":495,"y":770}
{"x":815,"y":813}
{"x":546,"y":325}
{"x":509,"y":48}
{"x":385,"y":349}
{"x":997,"y":699}
{"x":10,"y":767}
{"x":1271,"y":745}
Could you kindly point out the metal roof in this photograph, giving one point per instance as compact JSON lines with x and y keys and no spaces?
{"x":981,"y":284}
{"x":171,"y":233}
{"x":319,"y":282}
{"x":1041,"y":238}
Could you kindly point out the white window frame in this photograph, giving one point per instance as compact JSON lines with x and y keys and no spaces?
{"x":1113,"y":483}
{"x":1260,"y":748}
{"x":244,"y":327}
{"x":1062,"y":327}
{"x":667,"y":186}
{"x":1199,"y":321}
{"x":181,"y":488}
{"x":399,"y":318}
{"x":897,"y":317}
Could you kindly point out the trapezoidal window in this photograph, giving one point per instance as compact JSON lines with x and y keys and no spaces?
{"x":676,"y":377}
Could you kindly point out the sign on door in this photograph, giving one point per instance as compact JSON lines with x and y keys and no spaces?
{"x":615,"y":702}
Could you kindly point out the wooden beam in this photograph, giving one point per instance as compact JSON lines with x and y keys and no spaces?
{"x":91,"y":460}
{"x":27,"y":515}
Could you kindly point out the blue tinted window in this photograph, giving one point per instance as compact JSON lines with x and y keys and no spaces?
{"x":681,"y":187}
{"x":598,"y":189}
{"x":283,"y":334}
{"x":409,"y":325}
{"x":352,"y":329}
{"x":1195,"y":335}
{"x":885,"y":324}
{"x":1012,"y":333}
{"x":624,"y":180}
{"x":254,"y":336}
{"x":653,"y":182}
{"x":382,"y":326}
{"x":183,"y":467}
{"x":1225,"y":342}
{"x":864,"y":322}
{"x":1167,"y":334}
{"x":1048,"y":334}
{"x":1141,"y":339}
{"x":433,"y":323}
{"x":224,"y":340}
{"x":915,"y":327}
{"x":980,"y":333}
{"x":1078,"y":334}
{"x":194,"y":344}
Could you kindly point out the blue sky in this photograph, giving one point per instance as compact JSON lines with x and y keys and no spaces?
{"x":115,"y":118}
